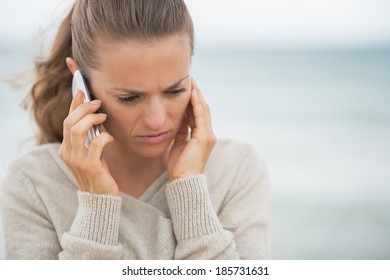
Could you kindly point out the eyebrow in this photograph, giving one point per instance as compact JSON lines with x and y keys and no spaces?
{"x":135,"y":91}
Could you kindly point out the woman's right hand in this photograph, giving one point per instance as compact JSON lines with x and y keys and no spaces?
{"x":86,"y":164}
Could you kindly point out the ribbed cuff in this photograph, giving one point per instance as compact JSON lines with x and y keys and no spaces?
{"x":97,"y":218}
{"x":191,"y":211}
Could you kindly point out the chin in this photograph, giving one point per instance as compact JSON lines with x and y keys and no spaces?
{"x":151,"y":151}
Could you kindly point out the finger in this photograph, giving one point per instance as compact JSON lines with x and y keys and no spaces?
{"x":190,"y":115}
{"x":201,"y":118}
{"x":79,"y":130}
{"x":199,"y":95}
{"x":80,"y":112}
{"x":77,"y":100}
{"x":198,"y":91}
{"x":182,"y":134}
{"x":96,"y":147}
{"x":75,"y":116}
{"x":204,"y":104}
{"x":203,"y":126}
{"x":194,"y":85}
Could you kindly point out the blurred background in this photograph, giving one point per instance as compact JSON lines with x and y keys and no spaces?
{"x":307,"y":83}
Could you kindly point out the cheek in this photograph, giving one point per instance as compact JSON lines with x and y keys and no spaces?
{"x":180,"y":106}
{"x":117,"y":118}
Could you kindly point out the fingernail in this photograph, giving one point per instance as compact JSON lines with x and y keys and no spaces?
{"x":195,"y":93}
{"x":79,"y":93}
{"x":95,"y":102}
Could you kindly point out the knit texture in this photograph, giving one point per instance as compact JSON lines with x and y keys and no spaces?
{"x":191,"y":209}
{"x":221,"y":214}
{"x":95,"y":211}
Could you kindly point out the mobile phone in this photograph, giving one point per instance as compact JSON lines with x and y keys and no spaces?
{"x":78,"y":83}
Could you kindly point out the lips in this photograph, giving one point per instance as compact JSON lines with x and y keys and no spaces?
{"x":154,"y":138}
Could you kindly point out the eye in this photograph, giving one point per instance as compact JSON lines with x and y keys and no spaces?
{"x":127,"y":99}
{"x":176,"y":91}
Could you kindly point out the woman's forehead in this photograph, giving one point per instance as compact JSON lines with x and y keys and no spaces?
{"x":164,"y":61}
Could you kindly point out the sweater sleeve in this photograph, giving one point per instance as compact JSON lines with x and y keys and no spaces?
{"x":94,"y":232}
{"x":30,"y":234}
{"x":240,"y":228}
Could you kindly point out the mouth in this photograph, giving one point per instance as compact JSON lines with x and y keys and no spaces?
{"x":154,"y":138}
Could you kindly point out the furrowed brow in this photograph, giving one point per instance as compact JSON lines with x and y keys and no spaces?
{"x":136,"y":92}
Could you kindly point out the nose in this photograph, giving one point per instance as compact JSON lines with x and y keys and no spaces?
{"x":155,"y":115}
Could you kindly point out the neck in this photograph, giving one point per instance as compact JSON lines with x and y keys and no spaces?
{"x":119,"y":159}
{"x":133,"y":173}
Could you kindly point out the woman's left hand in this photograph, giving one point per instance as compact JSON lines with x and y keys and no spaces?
{"x":191,"y":148}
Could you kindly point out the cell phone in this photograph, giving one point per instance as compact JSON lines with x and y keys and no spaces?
{"x":78,"y":83}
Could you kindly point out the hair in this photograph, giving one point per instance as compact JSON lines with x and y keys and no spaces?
{"x":88,"y":23}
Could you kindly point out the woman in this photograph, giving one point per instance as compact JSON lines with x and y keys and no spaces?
{"x":155,"y":184}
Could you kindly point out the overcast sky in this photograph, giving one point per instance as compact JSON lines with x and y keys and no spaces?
{"x":271,"y":23}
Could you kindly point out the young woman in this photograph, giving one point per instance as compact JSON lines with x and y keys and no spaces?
{"x":155,"y":184}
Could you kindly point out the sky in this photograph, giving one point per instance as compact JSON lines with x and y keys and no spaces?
{"x":269,"y":24}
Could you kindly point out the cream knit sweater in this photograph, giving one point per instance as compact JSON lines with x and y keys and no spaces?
{"x":223,"y":214}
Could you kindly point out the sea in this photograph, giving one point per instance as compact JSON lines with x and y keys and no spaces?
{"x":320,"y":118}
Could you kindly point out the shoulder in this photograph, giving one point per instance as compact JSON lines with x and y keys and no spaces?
{"x":39,"y":166}
{"x":38,"y":158}
{"x":236,"y":173}
{"x":233,"y":147}
{"x":231,"y":154}
{"x":234,"y":165}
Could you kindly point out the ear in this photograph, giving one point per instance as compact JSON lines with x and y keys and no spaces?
{"x":72,"y":65}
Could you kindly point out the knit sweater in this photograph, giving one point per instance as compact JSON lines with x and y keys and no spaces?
{"x":221,"y":214}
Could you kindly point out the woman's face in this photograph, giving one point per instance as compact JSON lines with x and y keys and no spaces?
{"x":145,"y":90}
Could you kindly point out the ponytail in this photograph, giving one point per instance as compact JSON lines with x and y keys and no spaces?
{"x":50,"y":96}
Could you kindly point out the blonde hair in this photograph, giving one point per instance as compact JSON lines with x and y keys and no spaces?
{"x":87,"y":23}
